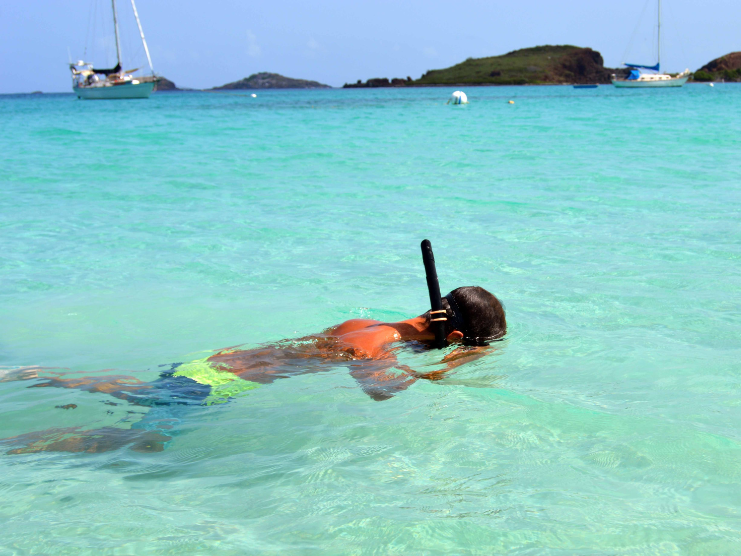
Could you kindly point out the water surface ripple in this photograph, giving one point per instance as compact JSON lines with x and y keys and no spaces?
{"x":135,"y":234}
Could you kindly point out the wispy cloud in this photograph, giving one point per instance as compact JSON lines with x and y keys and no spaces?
{"x":253,"y":49}
{"x":312,"y":49}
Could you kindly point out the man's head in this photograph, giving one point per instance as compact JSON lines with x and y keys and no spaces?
{"x":475,"y":314}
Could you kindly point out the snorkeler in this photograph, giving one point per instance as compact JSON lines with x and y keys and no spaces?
{"x":469,"y":316}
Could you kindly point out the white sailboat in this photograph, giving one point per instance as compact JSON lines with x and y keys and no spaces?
{"x":89,"y":82}
{"x":638,"y":79}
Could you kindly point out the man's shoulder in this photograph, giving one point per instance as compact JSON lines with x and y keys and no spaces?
{"x":363,"y":322}
{"x":353,"y":325}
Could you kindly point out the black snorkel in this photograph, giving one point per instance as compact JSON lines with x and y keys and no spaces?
{"x":438,"y":315}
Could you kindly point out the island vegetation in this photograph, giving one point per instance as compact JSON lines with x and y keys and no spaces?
{"x":265,"y":80}
{"x":725,"y":68}
{"x":540,"y":65}
{"x":379,"y":82}
{"x":528,"y":66}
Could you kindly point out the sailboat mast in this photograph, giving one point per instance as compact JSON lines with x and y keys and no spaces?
{"x":659,"y":45}
{"x":115,"y":28}
{"x":144,"y":41}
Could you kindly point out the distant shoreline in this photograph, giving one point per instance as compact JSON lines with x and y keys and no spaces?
{"x":541,"y":65}
{"x":459,"y":85}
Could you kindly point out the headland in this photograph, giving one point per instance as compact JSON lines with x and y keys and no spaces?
{"x":725,"y":68}
{"x":539,"y":65}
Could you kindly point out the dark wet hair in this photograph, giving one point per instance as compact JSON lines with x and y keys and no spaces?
{"x":475,"y":312}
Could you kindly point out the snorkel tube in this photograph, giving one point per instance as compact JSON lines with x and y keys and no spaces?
{"x":437,"y":313}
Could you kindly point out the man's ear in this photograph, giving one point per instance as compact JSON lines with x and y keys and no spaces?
{"x":454,"y":336}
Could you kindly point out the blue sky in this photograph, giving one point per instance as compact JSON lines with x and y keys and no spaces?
{"x":205,"y":44}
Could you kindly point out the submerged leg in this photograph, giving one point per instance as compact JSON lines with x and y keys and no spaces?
{"x":118,"y":386}
{"x":147,"y":435}
{"x":92,"y":441}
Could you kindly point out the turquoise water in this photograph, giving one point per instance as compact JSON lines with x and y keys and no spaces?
{"x":135,"y":234}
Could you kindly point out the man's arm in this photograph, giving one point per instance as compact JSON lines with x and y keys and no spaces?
{"x":381,"y":378}
{"x":455,"y":358}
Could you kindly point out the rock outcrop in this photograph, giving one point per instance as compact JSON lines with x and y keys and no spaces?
{"x":164,"y":84}
{"x":725,"y":68}
{"x":265,"y":80}
{"x":584,"y":66}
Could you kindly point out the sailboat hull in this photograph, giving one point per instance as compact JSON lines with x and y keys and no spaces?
{"x":124,"y":90}
{"x":646,"y":84}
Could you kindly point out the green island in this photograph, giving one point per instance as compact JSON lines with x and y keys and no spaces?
{"x":538,"y":65}
{"x":725,"y":68}
{"x":265,"y":80}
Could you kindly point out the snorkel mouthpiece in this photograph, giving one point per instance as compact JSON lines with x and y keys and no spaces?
{"x":437,"y":313}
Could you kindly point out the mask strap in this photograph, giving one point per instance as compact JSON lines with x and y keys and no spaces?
{"x":458,"y":322}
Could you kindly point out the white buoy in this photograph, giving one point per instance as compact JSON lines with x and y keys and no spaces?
{"x":458,"y":97}
{"x":254,"y":95}
{"x":711,"y":85}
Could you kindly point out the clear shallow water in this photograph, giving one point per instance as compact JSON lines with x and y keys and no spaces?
{"x":139,"y":233}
